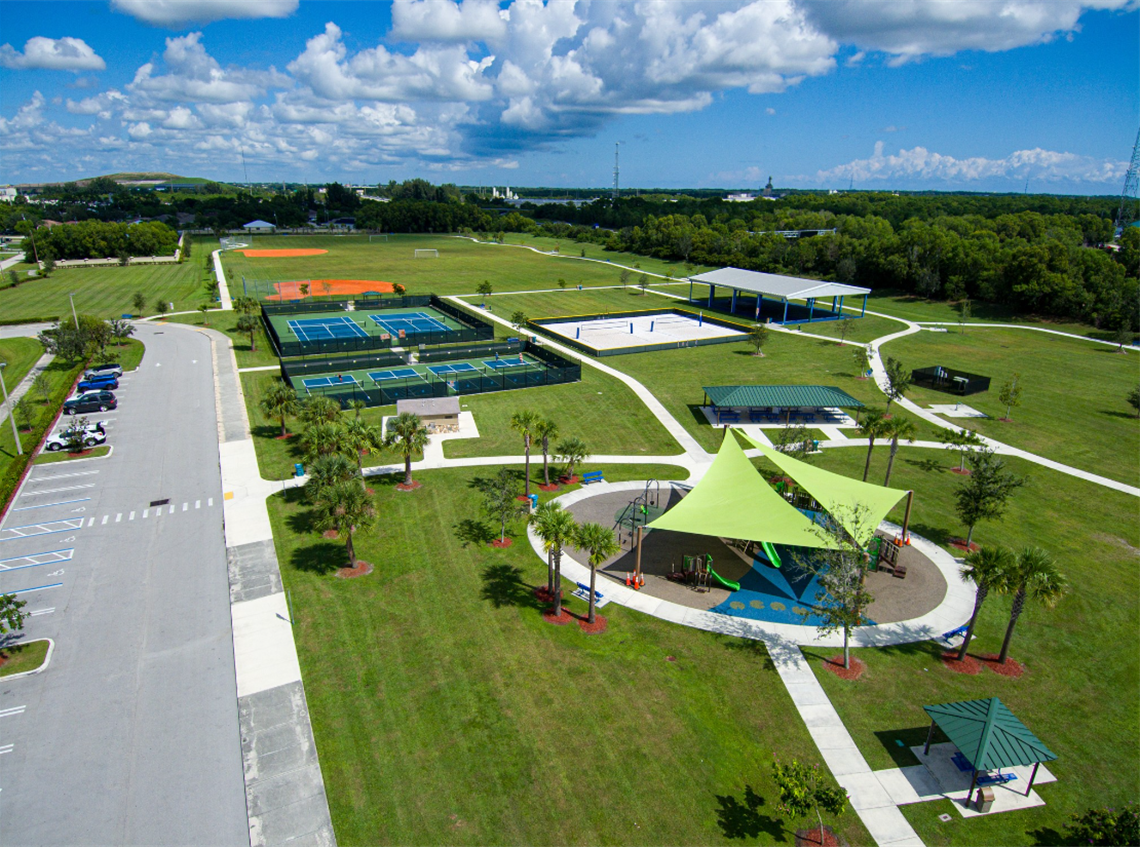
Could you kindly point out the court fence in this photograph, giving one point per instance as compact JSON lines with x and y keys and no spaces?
{"x":475,"y":328}
{"x":550,"y":369}
{"x":583,"y":344}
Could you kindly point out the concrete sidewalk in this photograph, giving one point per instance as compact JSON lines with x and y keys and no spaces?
{"x":24,"y":385}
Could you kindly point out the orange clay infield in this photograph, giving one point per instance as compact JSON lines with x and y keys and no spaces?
{"x":291,"y":289}
{"x":282,"y":254}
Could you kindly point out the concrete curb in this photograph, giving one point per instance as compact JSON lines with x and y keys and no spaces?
{"x":41,"y":668}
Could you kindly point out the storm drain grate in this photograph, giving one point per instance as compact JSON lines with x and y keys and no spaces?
{"x":159,"y":502}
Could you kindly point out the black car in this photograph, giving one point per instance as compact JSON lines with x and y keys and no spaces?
{"x":90,"y":401}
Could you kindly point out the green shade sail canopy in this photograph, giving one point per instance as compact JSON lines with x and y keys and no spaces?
{"x":733,"y":500}
{"x":989,"y":735}
{"x":839,"y":495}
{"x":780,"y":396}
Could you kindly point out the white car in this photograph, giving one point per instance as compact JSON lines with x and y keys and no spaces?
{"x":93,"y":434}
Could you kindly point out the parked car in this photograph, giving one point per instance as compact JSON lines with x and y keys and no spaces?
{"x":106,"y":368}
{"x":93,"y":434}
{"x":90,"y":401}
{"x":99,"y":383}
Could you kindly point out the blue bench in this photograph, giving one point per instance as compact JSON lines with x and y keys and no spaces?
{"x":592,"y":476}
{"x":729,"y":417}
{"x":583,"y":593}
{"x":956,"y":633}
{"x":996,"y":778}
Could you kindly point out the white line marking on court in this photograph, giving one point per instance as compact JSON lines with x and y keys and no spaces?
{"x":132,"y":517}
{"x":104,"y":521}
{"x":12,"y":711}
{"x":185,"y":506}
{"x":57,"y":490}
{"x":59,"y":503}
{"x":118,"y":517}
{"x":197,"y":504}
{"x":39,"y":612}
{"x":145,"y":512}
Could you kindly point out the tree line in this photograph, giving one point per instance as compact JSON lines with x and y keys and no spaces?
{"x":100,"y":240}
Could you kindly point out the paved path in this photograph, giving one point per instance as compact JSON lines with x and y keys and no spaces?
{"x":1127,"y":347}
{"x":24,"y":386}
{"x":8,"y":263}
{"x":223,"y":285}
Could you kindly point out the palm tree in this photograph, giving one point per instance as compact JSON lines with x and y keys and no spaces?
{"x":280,"y":401}
{"x":321,"y":438}
{"x":361,"y":438}
{"x":1036,"y":576}
{"x":319,"y":408}
{"x":346,"y":508}
{"x":895,"y":429}
{"x":898,"y":380}
{"x":987,"y":568}
{"x":407,"y":433}
{"x":327,"y":471}
{"x":571,"y":451}
{"x":600,"y":543}
{"x":555,"y":527}
{"x":524,"y":423}
{"x":357,"y":406}
{"x":873,"y":426}
{"x":546,"y":430}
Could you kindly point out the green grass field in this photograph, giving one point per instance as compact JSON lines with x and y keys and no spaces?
{"x":21,"y":658}
{"x":1072,"y":390}
{"x":1080,"y":658}
{"x":19,"y":354}
{"x":447,"y":712}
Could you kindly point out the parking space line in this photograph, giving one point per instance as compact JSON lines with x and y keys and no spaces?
{"x":36,"y":588}
{"x":32,"y":560}
{"x":12,"y":711}
{"x":61,"y":476}
{"x":6,"y":748}
{"x":90,"y":521}
{"x":46,"y":505}
{"x":210,"y":502}
{"x":171,"y":512}
{"x":185,"y":506}
{"x":197,"y":504}
{"x":41,"y":528}
{"x":39,"y":612}
{"x":118,"y":517}
{"x":56,"y":490}
{"x":145,"y":512}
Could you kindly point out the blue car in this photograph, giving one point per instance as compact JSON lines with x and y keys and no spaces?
{"x":99,"y":383}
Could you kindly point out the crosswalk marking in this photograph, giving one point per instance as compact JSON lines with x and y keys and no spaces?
{"x":132,"y":517}
{"x":197,"y":504}
{"x":104,"y":521}
{"x":118,"y":517}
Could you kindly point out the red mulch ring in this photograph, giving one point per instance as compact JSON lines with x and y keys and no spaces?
{"x":1006,"y":420}
{"x":3,"y":659}
{"x":1011,"y":668}
{"x":568,"y":480}
{"x":543,"y":594}
{"x":595,"y":628}
{"x":415,"y":484}
{"x":835,"y":665}
{"x":282,"y":437}
{"x":506,"y":542}
{"x":968,"y":665}
{"x":961,"y":471}
{"x":810,"y":838}
{"x":329,"y":534}
{"x":554,"y":486}
{"x":670,"y":658}
{"x":960,"y":544}
{"x":362,"y":569}
{"x":559,"y":620}
{"x":522,"y":498}
{"x":81,"y":454}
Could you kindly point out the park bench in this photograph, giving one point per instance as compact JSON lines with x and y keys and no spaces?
{"x":592,"y":476}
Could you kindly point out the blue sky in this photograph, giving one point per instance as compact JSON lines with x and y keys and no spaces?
{"x":979,"y":95}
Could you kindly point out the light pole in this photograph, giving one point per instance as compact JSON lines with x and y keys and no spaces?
{"x":11,"y":412}
{"x":71,"y":297}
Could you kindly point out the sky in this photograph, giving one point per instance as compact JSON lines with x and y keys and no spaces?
{"x":975,"y":95}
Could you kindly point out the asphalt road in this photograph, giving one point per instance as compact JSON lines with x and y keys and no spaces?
{"x":131,"y":736}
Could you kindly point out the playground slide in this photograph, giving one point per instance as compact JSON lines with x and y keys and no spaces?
{"x":732,"y":586}
{"x":771,"y":553}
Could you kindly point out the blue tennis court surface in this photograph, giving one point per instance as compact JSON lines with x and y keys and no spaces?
{"x":321,"y":329}
{"x":444,"y":370}
{"x":324,"y":381}
{"x":397,"y":373}
{"x":410,"y":322}
{"x":500,"y":364}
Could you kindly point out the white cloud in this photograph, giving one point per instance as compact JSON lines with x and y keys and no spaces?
{"x":442,"y":20}
{"x":921,"y":166}
{"x":769,"y":111}
{"x":29,"y":115}
{"x":196,"y":76}
{"x":62,"y":54}
{"x":140,"y":131}
{"x":176,"y":13}
{"x":100,"y":104}
{"x":909,"y":29}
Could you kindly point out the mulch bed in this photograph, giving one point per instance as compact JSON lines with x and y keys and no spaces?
{"x":968,"y":665}
{"x":810,"y":838}
{"x":283,"y":437}
{"x":506,"y":542}
{"x":835,"y":665}
{"x":554,"y":486}
{"x":543,"y":594}
{"x":1011,"y":668}
{"x":960,"y":544}
{"x":362,"y":568}
{"x":595,"y":628}
{"x":415,"y":484}
{"x":559,"y":620}
{"x":961,"y":471}
{"x":81,"y":454}
{"x":522,"y":498}
{"x":329,"y":534}
{"x":569,"y":480}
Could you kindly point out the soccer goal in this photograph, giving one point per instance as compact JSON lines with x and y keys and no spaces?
{"x":381,"y":237}
{"x":427,"y":254}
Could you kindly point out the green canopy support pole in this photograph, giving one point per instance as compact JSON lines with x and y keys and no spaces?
{"x":785,"y":318}
{"x":906,"y":517}
{"x":864,"y":312}
{"x":1032,"y":777}
{"x":733,"y":308}
{"x":690,"y":291}
{"x":929,"y":738}
{"x":712,"y":290}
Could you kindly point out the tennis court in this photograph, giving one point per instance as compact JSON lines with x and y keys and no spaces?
{"x":326,"y":381}
{"x":397,"y":373}
{"x":321,"y":329}
{"x":409,"y":322}
{"x":457,"y":368}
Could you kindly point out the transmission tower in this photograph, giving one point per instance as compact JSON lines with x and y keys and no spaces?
{"x":615,"y":191}
{"x":1130,"y":194}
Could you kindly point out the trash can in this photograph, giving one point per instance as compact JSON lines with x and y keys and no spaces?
{"x":298,"y":469}
{"x":985,"y":799}
{"x":533,"y":502}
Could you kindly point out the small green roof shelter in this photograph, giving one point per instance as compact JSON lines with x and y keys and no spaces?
{"x":989,"y":735}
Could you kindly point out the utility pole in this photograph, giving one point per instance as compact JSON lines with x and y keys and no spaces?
{"x":1130,"y":194}
{"x":71,"y":297}
{"x":11,"y":412}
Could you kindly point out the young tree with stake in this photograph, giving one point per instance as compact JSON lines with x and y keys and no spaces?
{"x":985,"y":493}
{"x":758,"y":334}
{"x":1010,"y":395}
{"x":501,"y":501}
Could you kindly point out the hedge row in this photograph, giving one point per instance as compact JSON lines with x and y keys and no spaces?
{"x":40,"y":320}
{"x":14,"y":473}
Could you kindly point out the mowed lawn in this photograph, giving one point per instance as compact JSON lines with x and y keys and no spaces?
{"x":1082,"y":667}
{"x":107,"y":292}
{"x":446,"y":711}
{"x":18,"y":354}
{"x":1074,"y":406}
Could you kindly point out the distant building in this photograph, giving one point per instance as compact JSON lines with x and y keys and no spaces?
{"x":768,"y":188}
{"x":7,"y":195}
{"x":258,"y":226}
{"x":506,"y":195}
{"x":743,"y":197}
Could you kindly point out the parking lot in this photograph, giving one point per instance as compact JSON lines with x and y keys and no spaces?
{"x":131,"y":734}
